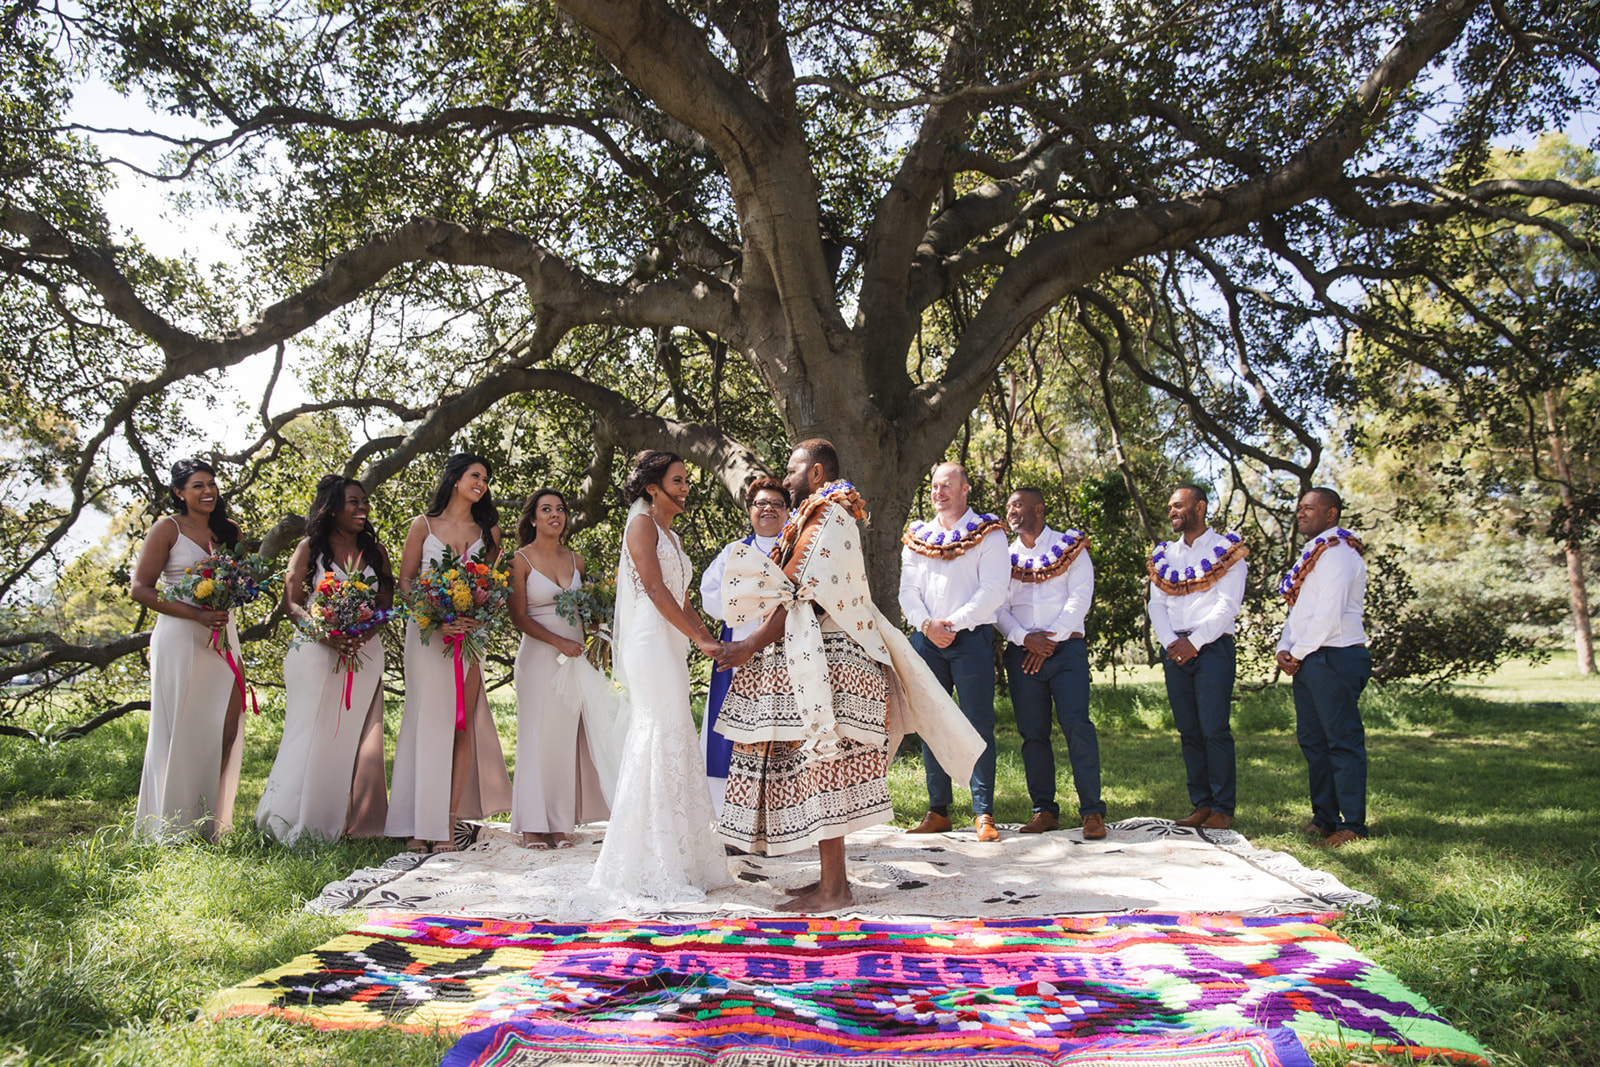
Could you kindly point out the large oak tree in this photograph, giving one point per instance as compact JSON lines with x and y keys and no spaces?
{"x":865,"y":208}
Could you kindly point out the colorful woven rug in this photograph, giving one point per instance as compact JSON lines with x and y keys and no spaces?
{"x":868,"y":990}
{"x":1142,"y":865}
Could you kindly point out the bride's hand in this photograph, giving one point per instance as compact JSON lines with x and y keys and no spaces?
{"x":708,"y":647}
{"x":733,"y":654}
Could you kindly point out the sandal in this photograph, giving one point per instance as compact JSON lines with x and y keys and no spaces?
{"x":559,"y":840}
{"x":417,"y":847}
{"x":437,"y":847}
{"x":534,"y":844}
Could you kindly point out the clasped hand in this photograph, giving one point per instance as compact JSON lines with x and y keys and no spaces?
{"x":460,"y":626}
{"x":1182,"y":651}
{"x":1287,"y":663}
{"x":210,"y":617}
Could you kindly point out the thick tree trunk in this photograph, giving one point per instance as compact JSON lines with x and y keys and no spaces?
{"x":1577,"y":591}
{"x":1578,"y":596}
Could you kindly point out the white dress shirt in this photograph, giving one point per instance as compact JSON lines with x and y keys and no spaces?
{"x":1327,"y":613}
{"x":711,"y":584}
{"x":1056,"y":605}
{"x":966,"y":590}
{"x":1205,"y":615}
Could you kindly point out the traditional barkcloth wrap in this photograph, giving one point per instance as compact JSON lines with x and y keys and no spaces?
{"x":1046,"y":565}
{"x":831,"y":575}
{"x":841,"y":492}
{"x":779,"y":800}
{"x":1168,"y":579}
{"x":926,"y":539}
{"x":1290,"y":586}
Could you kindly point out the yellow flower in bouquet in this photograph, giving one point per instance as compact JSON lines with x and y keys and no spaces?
{"x":203,"y":588}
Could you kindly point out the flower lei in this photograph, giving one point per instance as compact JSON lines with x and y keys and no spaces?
{"x":1046,"y":565}
{"x":840,"y":492}
{"x":1290,"y":586}
{"x":926,"y":539}
{"x":1173,"y":582}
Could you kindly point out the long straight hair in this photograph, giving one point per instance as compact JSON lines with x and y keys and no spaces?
{"x":224,"y":531}
{"x":323,"y":518}
{"x":484,"y":512}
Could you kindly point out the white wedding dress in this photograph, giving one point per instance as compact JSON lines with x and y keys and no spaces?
{"x":660,"y":845}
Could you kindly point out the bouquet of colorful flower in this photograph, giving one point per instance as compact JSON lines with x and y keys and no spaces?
{"x":591,"y":607}
{"x":226,"y":579}
{"x":341,"y":607}
{"x":456,"y":590}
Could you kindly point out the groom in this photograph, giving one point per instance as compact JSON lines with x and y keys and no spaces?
{"x":809,"y":715}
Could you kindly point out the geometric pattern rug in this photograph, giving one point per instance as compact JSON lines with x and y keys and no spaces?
{"x":1142,"y":864}
{"x":1036,"y":990}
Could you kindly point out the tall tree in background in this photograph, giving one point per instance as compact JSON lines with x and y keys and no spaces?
{"x":1507,"y":403}
{"x":845,"y":215}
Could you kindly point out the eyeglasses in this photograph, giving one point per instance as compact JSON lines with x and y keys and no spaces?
{"x":768,"y":505}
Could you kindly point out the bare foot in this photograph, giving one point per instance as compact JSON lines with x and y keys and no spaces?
{"x":818,"y":901}
{"x":801,"y":890}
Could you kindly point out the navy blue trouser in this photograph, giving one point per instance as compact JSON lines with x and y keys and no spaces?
{"x":1062,"y":679}
{"x":1328,"y":725}
{"x":966,"y":668}
{"x":1201,"y":695}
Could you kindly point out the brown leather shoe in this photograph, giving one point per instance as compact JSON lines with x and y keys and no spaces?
{"x":1194,"y":818}
{"x":1339,"y":839}
{"x":932,"y":823}
{"x":1041,"y":823}
{"x":1094,"y":826}
{"x":1311,"y":829}
{"x":987,"y":831}
{"x":1217,"y":821}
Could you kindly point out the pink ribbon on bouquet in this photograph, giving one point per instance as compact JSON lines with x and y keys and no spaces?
{"x":455,"y":641}
{"x":220,"y":648}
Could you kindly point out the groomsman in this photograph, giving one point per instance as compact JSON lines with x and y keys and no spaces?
{"x":954,"y":573}
{"x":766,"y":501}
{"x":1324,"y":649}
{"x":1196,"y":587}
{"x":1046,"y":659}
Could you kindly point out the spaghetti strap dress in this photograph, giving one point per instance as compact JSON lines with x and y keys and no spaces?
{"x":556,"y":786}
{"x":328,"y":778}
{"x":419,"y":793}
{"x":188,"y":783}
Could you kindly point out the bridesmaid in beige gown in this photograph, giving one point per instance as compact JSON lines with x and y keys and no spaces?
{"x":441,"y":774}
{"x":328,"y":778}
{"x":196,"y":739}
{"x":556,"y":786}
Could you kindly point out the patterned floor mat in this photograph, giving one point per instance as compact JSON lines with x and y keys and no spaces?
{"x":874,"y":989}
{"x":1142,"y":865}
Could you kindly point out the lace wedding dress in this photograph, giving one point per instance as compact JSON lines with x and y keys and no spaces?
{"x":659,"y":845}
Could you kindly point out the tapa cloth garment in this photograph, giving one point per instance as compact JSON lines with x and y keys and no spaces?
{"x":833,"y":576}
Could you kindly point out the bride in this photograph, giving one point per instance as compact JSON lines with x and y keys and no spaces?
{"x":659,"y":844}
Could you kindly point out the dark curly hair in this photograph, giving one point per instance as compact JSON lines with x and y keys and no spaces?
{"x":527,"y":530}
{"x":649,"y":468}
{"x":324,"y":517}
{"x":484,"y":512}
{"x":224,"y":531}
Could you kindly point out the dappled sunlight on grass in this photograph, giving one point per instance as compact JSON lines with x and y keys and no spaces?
{"x":1485,"y":855}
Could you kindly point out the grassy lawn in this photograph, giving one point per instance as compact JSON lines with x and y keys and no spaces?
{"x":1486,"y":855}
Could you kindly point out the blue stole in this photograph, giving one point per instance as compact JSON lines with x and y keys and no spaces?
{"x":719,"y":750}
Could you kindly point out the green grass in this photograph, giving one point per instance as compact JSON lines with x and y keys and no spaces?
{"x":1486,"y":855}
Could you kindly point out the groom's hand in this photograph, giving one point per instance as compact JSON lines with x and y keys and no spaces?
{"x":734,"y":654}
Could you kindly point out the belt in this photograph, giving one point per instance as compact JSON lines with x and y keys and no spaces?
{"x":1182,"y":633}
